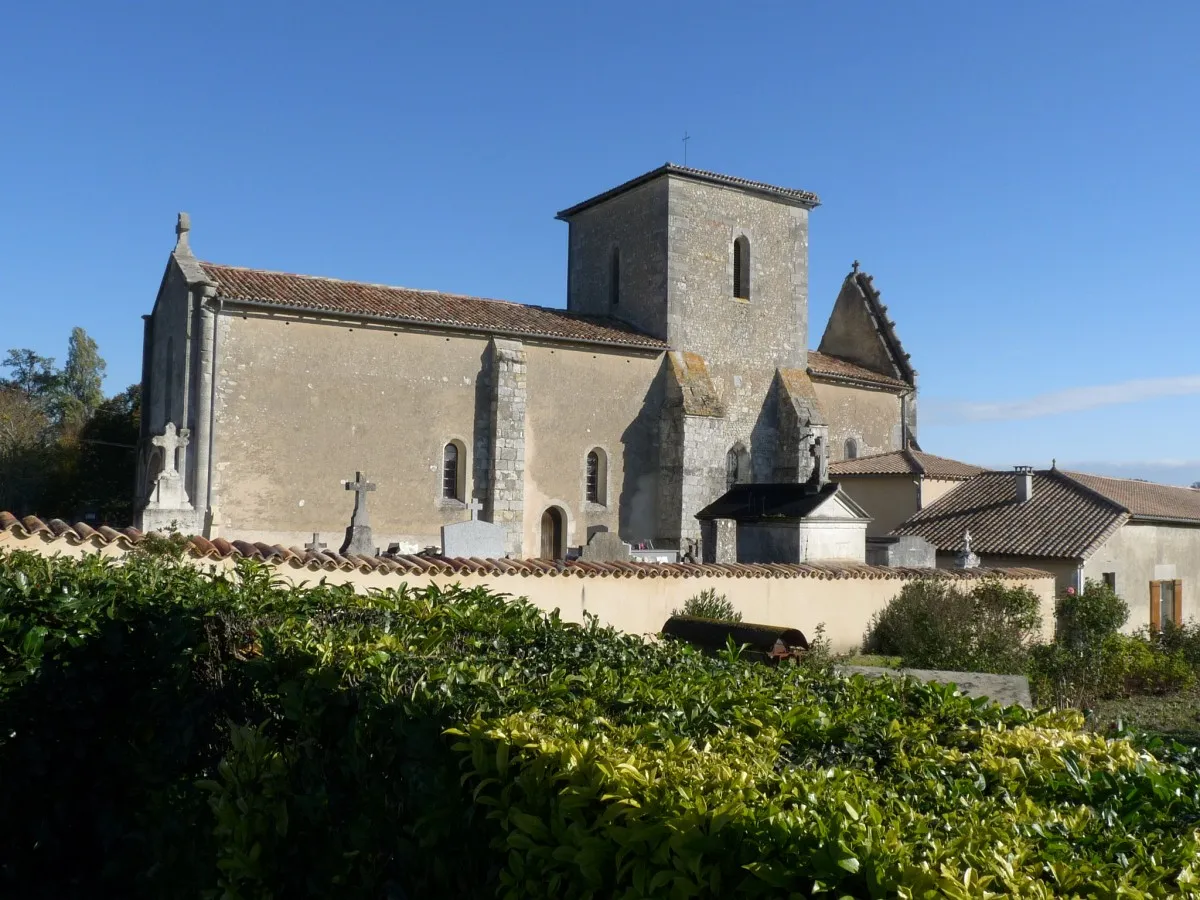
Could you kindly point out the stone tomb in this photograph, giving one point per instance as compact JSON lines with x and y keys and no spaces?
{"x":475,"y":538}
{"x":606,"y":546}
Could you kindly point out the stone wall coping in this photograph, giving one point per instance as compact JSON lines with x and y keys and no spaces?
{"x":56,"y":530}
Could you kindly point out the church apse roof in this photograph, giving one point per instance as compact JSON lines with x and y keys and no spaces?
{"x":827,"y":366}
{"x":285,"y":291}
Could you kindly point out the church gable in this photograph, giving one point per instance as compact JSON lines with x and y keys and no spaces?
{"x":860,"y":332}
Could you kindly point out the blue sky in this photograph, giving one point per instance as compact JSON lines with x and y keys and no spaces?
{"x":1020,"y":177}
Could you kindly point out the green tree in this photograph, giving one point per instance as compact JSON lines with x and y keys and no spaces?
{"x":81,"y":388}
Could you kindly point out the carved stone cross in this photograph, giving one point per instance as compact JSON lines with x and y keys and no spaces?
{"x":361,"y":487}
{"x":170,"y":441}
{"x":474,"y":506}
{"x":316,"y":546}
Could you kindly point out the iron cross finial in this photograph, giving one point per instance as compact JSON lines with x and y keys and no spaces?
{"x":854,"y":266}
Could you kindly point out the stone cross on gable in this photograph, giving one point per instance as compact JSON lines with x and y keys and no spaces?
{"x":316,"y":546}
{"x":361,"y":487}
{"x":820,"y":467}
{"x":474,"y":506}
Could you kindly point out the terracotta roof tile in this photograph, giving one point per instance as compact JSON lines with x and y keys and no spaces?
{"x":1145,"y":499}
{"x":823,"y":365}
{"x":434,"y":308}
{"x":296,"y":558}
{"x":1061,"y":520}
{"x":906,"y":462}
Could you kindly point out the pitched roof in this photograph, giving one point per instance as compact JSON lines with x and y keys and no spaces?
{"x":886,"y":326}
{"x":397,"y":304}
{"x":859,"y":329}
{"x":750,"y":502}
{"x":906,"y":462}
{"x":1145,"y":499}
{"x":1062,"y":519}
{"x":795,"y":196}
{"x":823,"y":365}
{"x":296,"y":558}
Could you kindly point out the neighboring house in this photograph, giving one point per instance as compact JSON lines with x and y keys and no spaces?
{"x":894,"y":486}
{"x":1141,"y":538}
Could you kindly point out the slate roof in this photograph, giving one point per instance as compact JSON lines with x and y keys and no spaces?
{"x":1063,"y":519}
{"x":409,"y":306}
{"x":750,"y":502}
{"x":295,"y":558}
{"x":822,"y":365}
{"x":1145,"y":499}
{"x":806,"y":199}
{"x":906,"y":462}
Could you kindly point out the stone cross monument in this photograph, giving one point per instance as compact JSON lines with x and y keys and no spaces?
{"x":358,"y":536}
{"x":966,"y":559}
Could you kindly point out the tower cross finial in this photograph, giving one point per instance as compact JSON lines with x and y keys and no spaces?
{"x":686,"y":137}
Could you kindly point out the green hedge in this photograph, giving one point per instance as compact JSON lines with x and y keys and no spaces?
{"x":169,"y":734}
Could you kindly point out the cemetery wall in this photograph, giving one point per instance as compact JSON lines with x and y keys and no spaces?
{"x":634,"y":598}
{"x":872,"y":418}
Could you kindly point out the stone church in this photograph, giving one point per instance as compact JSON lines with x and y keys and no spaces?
{"x":679,"y":367}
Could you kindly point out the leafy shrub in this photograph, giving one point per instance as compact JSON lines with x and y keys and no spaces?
{"x":1182,"y":638}
{"x":165,"y":733}
{"x":1087,"y":619}
{"x":932,"y":624}
{"x":1147,"y":668}
{"x":708,"y":604}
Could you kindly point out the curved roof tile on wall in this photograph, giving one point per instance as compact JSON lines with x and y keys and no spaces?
{"x":317,"y":561}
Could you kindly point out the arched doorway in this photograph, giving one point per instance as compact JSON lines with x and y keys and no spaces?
{"x":552,"y":534}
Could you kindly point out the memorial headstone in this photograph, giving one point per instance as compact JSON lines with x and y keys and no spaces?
{"x":606,"y":546}
{"x":474,"y":538}
{"x":359,"y":540}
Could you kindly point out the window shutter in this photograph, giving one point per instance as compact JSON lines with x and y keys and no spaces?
{"x":1178,"y":602}
{"x":1155,"y":605}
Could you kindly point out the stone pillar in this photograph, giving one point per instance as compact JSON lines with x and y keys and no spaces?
{"x":506,"y":497}
{"x":203,"y":406}
{"x":719,"y":541}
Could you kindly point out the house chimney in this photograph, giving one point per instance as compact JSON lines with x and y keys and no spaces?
{"x":1024,"y":483}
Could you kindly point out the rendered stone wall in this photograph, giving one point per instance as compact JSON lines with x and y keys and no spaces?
{"x":577,"y":401}
{"x":1141,"y":553}
{"x":873,"y":418}
{"x":890,"y":499}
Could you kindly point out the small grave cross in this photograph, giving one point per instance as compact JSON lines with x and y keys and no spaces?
{"x":361,"y":487}
{"x":474,"y":506}
{"x":316,"y":546}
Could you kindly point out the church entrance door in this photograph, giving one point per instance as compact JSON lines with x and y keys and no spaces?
{"x":552,"y":534}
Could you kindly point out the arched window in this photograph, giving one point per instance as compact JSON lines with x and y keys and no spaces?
{"x":737,"y":465}
{"x":851,"y":450}
{"x":451,"y":472}
{"x":614,"y":277}
{"x":741,"y":268}
{"x":596,"y":477}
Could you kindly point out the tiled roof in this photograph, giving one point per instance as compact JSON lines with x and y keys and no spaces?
{"x":1061,"y":520}
{"x":807,"y":199}
{"x":906,"y":462}
{"x":296,"y":558}
{"x":397,"y":304}
{"x":824,"y":365}
{"x":1145,"y":499}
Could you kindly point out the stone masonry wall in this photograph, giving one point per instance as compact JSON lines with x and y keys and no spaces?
{"x":507,"y":500}
{"x":634,"y":223}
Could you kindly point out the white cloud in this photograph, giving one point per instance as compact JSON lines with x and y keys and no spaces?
{"x":1064,"y":401}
